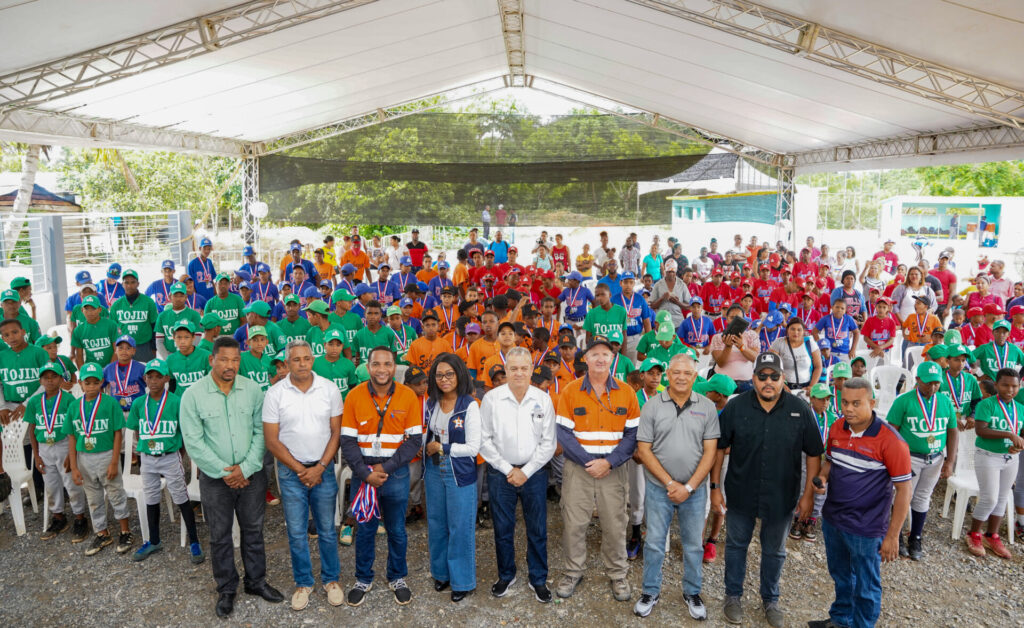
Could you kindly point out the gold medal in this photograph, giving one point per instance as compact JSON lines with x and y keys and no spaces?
{"x":89,"y":446}
{"x":125,"y":402}
{"x":49,"y":441}
{"x":931,"y":440}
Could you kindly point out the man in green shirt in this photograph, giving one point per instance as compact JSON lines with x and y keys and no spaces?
{"x":12,"y":309}
{"x":373,"y":334}
{"x":188,"y":364}
{"x":604,"y":316}
{"x":318,"y":315}
{"x":292,"y":326}
{"x":93,"y":340}
{"x":927,"y":422}
{"x":256,"y":361}
{"x":19,"y":370}
{"x":343,"y":317}
{"x":999,"y":353}
{"x":227,"y":305}
{"x":173,"y":312}
{"x":960,"y":386}
{"x":46,"y":412}
{"x":222,"y":428}
{"x":135,"y":314}
{"x":333,"y":365}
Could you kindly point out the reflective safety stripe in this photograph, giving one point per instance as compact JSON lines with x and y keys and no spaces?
{"x":564,"y":421}
{"x":615,"y":436}
{"x":384,"y":438}
{"x":634,"y":423}
{"x":414,"y":430}
{"x":349,"y":431}
{"x":598,"y":449}
{"x":385,"y":451}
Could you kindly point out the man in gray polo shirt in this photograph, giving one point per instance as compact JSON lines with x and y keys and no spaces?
{"x":676,"y":442}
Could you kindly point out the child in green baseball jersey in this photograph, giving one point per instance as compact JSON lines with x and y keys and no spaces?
{"x":211,"y":324}
{"x":333,"y":365}
{"x":292,"y":326}
{"x":318,"y":315}
{"x":960,"y":385}
{"x":69,"y":372}
{"x":11,"y":308}
{"x":188,"y":364}
{"x":173,"y":312}
{"x":821,"y":396}
{"x":95,"y":422}
{"x":154,"y":417}
{"x":255,"y":362}
{"x":47,"y":412}
{"x":93,"y":339}
{"x":19,"y":370}
{"x":226,"y":304}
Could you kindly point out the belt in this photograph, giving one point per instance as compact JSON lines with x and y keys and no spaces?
{"x":161,"y":455}
{"x":927,"y":457}
{"x":309,"y":465}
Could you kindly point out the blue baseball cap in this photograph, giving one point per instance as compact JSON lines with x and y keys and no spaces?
{"x":244,"y":284}
{"x":262,"y":268}
{"x":310,"y":292}
{"x":244,"y":274}
{"x":774,"y":319}
{"x":114,"y":270}
{"x":421,"y":286}
{"x":696,"y":300}
{"x":205,"y":242}
{"x":348,"y":269}
{"x":125,"y":338}
{"x":247,"y":251}
{"x":824,"y":344}
{"x":281,"y":285}
{"x":383,"y":264}
{"x":167,"y":263}
{"x":326,"y":282}
{"x":575,"y":275}
{"x":83,"y":276}
{"x":362,"y":289}
{"x":626,"y":275}
{"x":295,"y":247}
{"x":406,"y":301}
{"x":405,"y":261}
{"x":785,"y":306}
{"x":443,"y":265}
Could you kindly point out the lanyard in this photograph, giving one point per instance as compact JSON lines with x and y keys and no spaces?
{"x":572,"y":297}
{"x":380,"y":412}
{"x":957,"y":396}
{"x":1001,"y":362}
{"x":929,"y":418}
{"x":822,"y":420}
{"x":207,"y":272}
{"x":122,"y":386}
{"x":832,"y":323}
{"x":87,"y":427}
{"x":108,"y":294}
{"x":629,"y":308}
{"x":263,"y":289}
{"x":403,"y":341}
{"x":1006,"y":413}
{"x":50,"y":420}
{"x":154,"y":425}
{"x":448,"y":317}
{"x":644,"y":393}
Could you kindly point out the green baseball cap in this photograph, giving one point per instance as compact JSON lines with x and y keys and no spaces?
{"x":52,"y":367}
{"x":184,"y":324}
{"x":718,"y":383}
{"x":938,"y":351}
{"x":1001,"y":324}
{"x":257,"y":330}
{"x":157,"y":365}
{"x":614,"y":335}
{"x":178,"y":288}
{"x":649,"y":364}
{"x":279,"y":357}
{"x":821,"y":391}
{"x":929,"y":372}
{"x":334,"y":334}
{"x":663,"y":316}
{"x":362,"y":373}
{"x":320,"y":307}
{"x":222,"y":275}
{"x":129,"y":273}
{"x":291,"y":298}
{"x":211,"y":320}
{"x":342,"y":294}
{"x":665,"y":332}
{"x":45,"y":340}
{"x":860,"y":359}
{"x":90,"y":369}
{"x":90,"y":301}
{"x":690,"y":351}
{"x":953,"y":351}
{"x":952,"y":337}
{"x":842,"y":369}
{"x":392,"y":310}
{"x":11,"y":295}
{"x":259,"y":308}
{"x":20,"y":282}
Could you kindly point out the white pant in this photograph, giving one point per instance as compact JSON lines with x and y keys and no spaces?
{"x":995,"y":474}
{"x":922,"y":483}
{"x":56,"y":479}
{"x":168,"y":467}
{"x":629,"y":349}
{"x":637,"y":488}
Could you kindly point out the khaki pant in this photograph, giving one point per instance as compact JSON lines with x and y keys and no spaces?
{"x":579,"y":494}
{"x":93,"y":467}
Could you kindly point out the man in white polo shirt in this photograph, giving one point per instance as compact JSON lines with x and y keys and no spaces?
{"x":302,"y":428}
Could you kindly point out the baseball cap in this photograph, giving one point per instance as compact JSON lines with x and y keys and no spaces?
{"x":158,"y":365}
{"x":1001,"y":324}
{"x":420,"y":286}
{"x":243,"y":274}
{"x":129,"y":273}
{"x":20,"y":282}
{"x":992,"y":308}
{"x":392,"y":311}
{"x":167,"y":263}
{"x":222,"y":276}
{"x":566,"y":340}
{"x":42,"y":341}
{"x":114,"y":270}
{"x":342,"y":294}
{"x":334,"y":333}
{"x":958,"y":349}
{"x":348,"y":269}
{"x":599,"y":341}
{"x":52,"y":367}
{"x":11,"y":295}
{"x":649,"y":364}
{"x":384,"y":265}
{"x":1015,"y":310}
{"x":205,"y":242}
{"x":696,"y":301}
{"x":247,"y":251}
{"x":937,"y":351}
{"x":495,"y":369}
{"x":279,"y":357}
{"x":774,"y":319}
{"x":929,"y":372}
{"x":318,"y":307}
{"x":262,"y":267}
{"x":860,"y":358}
{"x":90,"y":369}
{"x":541,"y":373}
{"x":768,"y":360}
{"x":452,"y":290}
{"x":179,"y":288}
{"x":974,"y":311}
{"x":406,"y":302}
{"x":244,"y":285}
{"x":552,"y":356}
{"x":125,"y":338}
{"x":663,"y":316}
{"x":821,"y":391}
{"x":615,"y":335}
{"x":83,"y":276}
{"x":718,"y":383}
{"x":310,"y":292}
{"x":414,"y":375}
{"x":626,"y":275}
{"x":295,"y":247}
{"x":665,"y":332}
{"x":211,"y":320}
{"x":90,"y":301}
{"x":443,"y":265}
{"x":405,"y":261}
{"x":256,"y":330}
{"x":291,"y":298}
{"x":573,"y":276}
{"x":842,"y":369}
{"x":824,"y":344}
{"x":952,"y":337}
{"x":362,"y":289}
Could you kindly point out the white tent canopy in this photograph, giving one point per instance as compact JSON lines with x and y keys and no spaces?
{"x":814,"y":84}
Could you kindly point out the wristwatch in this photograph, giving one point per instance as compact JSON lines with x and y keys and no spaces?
{"x":321,"y":462}
{"x":689,"y":489}
{"x":714,"y":485}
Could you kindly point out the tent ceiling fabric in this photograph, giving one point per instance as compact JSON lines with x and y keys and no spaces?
{"x":392,"y":51}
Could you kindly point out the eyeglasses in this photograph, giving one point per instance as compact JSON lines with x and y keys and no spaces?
{"x":447,"y":375}
{"x":763,"y":377}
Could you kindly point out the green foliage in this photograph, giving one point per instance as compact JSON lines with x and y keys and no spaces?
{"x":998,"y":178}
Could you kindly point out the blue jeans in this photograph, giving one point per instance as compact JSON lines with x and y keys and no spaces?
{"x":393,"y":497}
{"x":451,"y":525}
{"x":658,"y":509}
{"x":739,"y":529}
{"x":297,"y":502}
{"x":855,"y":566}
{"x":535,"y":515}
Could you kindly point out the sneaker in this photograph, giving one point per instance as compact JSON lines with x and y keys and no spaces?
{"x":143,"y":552}
{"x":773,"y":615}
{"x":733,"y":610}
{"x":914,"y":548}
{"x":483,"y":516}
{"x":271,"y":500}
{"x":974,"y":544}
{"x":196,"y":554}
{"x":311,"y":530}
{"x":415,"y":514}
{"x":541,"y":593}
{"x":710,"y":551}
{"x":809,"y":531}
{"x":645,"y":604}
{"x":345,"y":538}
{"x":620,"y":590}
{"x":125,"y":540}
{"x":995,"y":544}
{"x":634,"y":548}
{"x":99,"y":541}
{"x":79,"y":530}
{"x":57,"y":525}
{"x":796,"y":530}
{"x":401,"y":590}
{"x":567,"y":586}
{"x":500,"y":588}
{"x":696,"y":606}
{"x":903,"y":547}
{"x":335,"y":594}
{"x":553,"y":494}
{"x":300,"y":599}
{"x":357,"y":594}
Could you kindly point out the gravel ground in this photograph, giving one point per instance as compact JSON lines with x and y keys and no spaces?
{"x":53,"y":583}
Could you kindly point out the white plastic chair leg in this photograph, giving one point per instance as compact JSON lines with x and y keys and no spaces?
{"x":1010,"y":518}
{"x":945,"y":502}
{"x":143,"y":519}
{"x":32,"y":493}
{"x":46,"y":509}
{"x":959,"y":514}
{"x":17,"y":511}
{"x":344,"y":475}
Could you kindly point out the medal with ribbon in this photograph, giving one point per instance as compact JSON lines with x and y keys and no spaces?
{"x":153,"y":426}
{"x":455,"y":341}
{"x":837,"y":403}
{"x":615,"y":364}
{"x":122,"y":385}
{"x":448,"y":317}
{"x":403,"y":342}
{"x":50,"y":420}
{"x":1001,"y":361}
{"x":835,"y":332}
{"x":920,"y":326}
{"x":822,"y":420}
{"x":167,"y":295}
{"x":956,"y":396}
{"x":644,"y":393}
{"x":929,"y":417}
{"x":1012,"y":422}
{"x":87,"y":426}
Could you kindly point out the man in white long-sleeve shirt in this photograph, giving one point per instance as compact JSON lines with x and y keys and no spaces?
{"x":518,"y":438}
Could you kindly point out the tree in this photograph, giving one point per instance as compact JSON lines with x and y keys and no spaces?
{"x":16,"y":221}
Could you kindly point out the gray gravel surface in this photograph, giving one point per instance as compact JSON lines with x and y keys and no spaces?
{"x":53,"y":583}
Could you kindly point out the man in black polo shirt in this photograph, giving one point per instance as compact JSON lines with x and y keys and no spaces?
{"x":770,"y":432}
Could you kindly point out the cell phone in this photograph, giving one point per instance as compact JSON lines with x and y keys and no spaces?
{"x":817,"y":482}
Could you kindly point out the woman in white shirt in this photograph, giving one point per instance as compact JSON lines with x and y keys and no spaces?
{"x":801,"y":360}
{"x":451,"y":443}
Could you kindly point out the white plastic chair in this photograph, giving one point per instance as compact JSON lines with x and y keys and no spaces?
{"x":886,"y":380}
{"x":62,"y":332}
{"x":19,"y":472}
{"x":913,"y":356}
{"x":192,"y":488}
{"x":133,"y":485}
{"x":343,"y":474}
{"x":964,"y":485}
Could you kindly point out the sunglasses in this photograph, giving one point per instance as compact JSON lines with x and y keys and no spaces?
{"x":763,"y":377}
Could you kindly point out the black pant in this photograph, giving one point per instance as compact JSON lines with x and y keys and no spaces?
{"x":221,"y":504}
{"x":145,"y":351}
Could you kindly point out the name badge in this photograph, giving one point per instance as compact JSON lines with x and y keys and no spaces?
{"x":377,"y":451}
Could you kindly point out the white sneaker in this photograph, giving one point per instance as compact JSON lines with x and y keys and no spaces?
{"x":696,"y":606}
{"x":645,"y":605}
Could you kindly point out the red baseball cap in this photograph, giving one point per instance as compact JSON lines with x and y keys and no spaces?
{"x":885,"y":300}
{"x":1017,"y":309}
{"x":974,"y":311}
{"x":774,"y":259}
{"x":513,"y":249}
{"x":993,"y":308}
{"x":717,"y":271}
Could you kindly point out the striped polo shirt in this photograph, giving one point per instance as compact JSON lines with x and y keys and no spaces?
{"x":864,"y":468}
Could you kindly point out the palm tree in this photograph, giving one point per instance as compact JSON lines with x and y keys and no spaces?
{"x":16,"y":221}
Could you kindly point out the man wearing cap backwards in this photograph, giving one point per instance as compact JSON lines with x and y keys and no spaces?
{"x":12,"y":310}
{"x":928,"y":423}
{"x":201,"y":269}
{"x":176,"y":310}
{"x":227,"y":305}
{"x":93,"y":340}
{"x":597,"y":419}
{"x":222,"y":428}
{"x":763,"y":480}
{"x":999,"y":353}
{"x":136,"y":315}
{"x":865,"y":460}
{"x":188,"y":364}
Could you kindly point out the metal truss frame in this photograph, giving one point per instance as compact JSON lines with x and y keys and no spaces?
{"x":250,"y":195}
{"x":190,"y":38}
{"x":790,"y":34}
{"x":785,"y":199}
{"x":511,"y":13}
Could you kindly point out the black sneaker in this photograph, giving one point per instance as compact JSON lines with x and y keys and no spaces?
{"x":311,"y":530}
{"x":125,"y":540}
{"x":914,"y":548}
{"x":809,"y":531}
{"x":57,"y":525}
{"x":903,"y":547}
{"x":415,"y":514}
{"x":79,"y":530}
{"x":357,"y":594}
{"x":696,"y":606}
{"x":483,"y":516}
{"x":98,"y":542}
{"x":402,"y":593}
{"x":542,"y":593}
{"x":500,"y":588}
{"x":796,"y":531}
